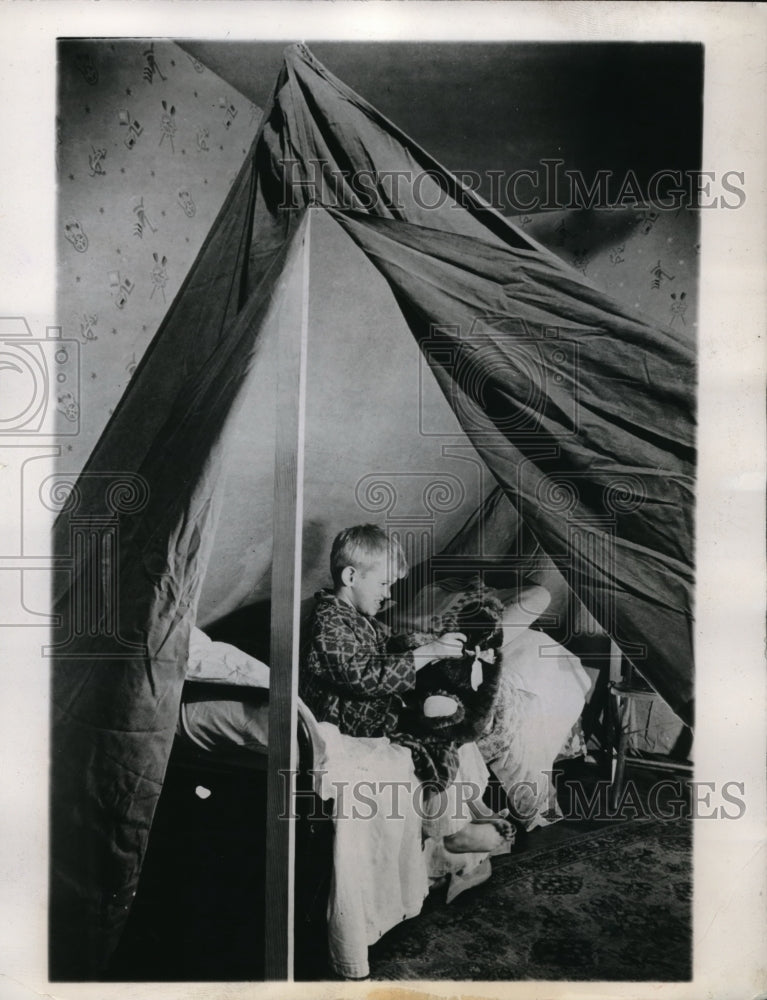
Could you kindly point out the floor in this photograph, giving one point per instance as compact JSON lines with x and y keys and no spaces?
{"x":603,"y":894}
{"x":198,"y":914}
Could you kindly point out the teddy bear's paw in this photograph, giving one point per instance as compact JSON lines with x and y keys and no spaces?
{"x":439,"y":706}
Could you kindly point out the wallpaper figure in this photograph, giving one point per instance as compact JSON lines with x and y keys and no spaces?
{"x":121,"y":288}
{"x":151,"y":66}
{"x":659,"y":275}
{"x":678,"y":308}
{"x":229,"y":110}
{"x":142,"y":220}
{"x":198,"y":66}
{"x":87,"y":323}
{"x":168,"y":127}
{"x":616,"y":254}
{"x":646,"y":219}
{"x":159,"y":275}
{"x":186,"y":202}
{"x":135,"y":128}
{"x":68,"y":407}
{"x":73,"y":231}
{"x":96,"y":161}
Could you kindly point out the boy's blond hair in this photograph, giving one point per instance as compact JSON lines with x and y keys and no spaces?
{"x":360,"y":546}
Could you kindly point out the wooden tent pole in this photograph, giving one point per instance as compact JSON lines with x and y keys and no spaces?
{"x":616,"y":661}
{"x":286,"y":602}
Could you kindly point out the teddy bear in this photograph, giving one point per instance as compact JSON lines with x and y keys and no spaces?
{"x":454,"y":698}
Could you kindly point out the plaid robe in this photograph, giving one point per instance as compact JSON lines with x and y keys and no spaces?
{"x":351,"y":676}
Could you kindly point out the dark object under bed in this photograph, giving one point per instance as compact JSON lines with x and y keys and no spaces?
{"x":199,"y":911}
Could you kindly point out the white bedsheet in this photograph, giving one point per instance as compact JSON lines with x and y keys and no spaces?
{"x":543,"y":691}
{"x":379,"y":867}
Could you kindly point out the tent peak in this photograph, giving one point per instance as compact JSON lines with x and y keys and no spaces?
{"x":297,"y":52}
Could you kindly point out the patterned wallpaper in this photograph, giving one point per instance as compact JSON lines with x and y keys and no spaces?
{"x":148,"y":142}
{"x":647,"y":259}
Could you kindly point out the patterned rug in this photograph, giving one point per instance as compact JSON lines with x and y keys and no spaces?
{"x":613,"y":904}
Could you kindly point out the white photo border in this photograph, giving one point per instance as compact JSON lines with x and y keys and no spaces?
{"x":730,"y":924}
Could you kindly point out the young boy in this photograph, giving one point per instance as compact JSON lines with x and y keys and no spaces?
{"x":351,"y":678}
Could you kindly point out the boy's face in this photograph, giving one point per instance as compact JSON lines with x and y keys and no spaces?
{"x":369,"y":587}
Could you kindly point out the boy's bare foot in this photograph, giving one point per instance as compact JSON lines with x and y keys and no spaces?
{"x":499,"y":821}
{"x":482,"y":814}
{"x":479,"y":836}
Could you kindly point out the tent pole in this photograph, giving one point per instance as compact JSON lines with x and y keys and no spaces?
{"x":616,"y":661}
{"x":286,"y":603}
{"x":613,"y":712}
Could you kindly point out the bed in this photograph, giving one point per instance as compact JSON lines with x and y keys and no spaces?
{"x":223,"y":724}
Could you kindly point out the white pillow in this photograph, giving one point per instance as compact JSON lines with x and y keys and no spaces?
{"x":222,"y":663}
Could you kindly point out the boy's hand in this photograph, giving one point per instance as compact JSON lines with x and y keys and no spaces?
{"x":448,"y":647}
{"x":454,"y":642}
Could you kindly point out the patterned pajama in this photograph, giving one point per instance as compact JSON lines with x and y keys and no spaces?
{"x":351,"y":676}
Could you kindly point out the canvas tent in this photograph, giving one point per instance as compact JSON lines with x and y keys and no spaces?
{"x":337,"y":329}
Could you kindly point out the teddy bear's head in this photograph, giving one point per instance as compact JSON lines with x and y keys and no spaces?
{"x":478,"y":616}
{"x":458,"y":694}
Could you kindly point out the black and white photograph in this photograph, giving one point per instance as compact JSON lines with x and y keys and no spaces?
{"x":372,"y":431}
